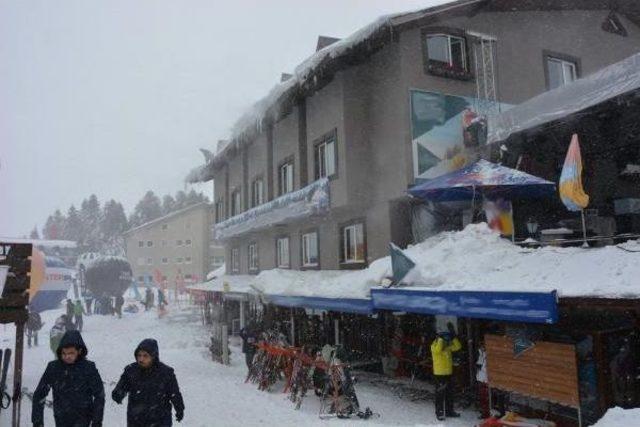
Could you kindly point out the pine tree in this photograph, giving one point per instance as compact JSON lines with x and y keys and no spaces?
{"x":73,"y":229}
{"x":34,"y":233}
{"x":147,"y":209}
{"x":54,"y":227}
{"x":181,"y":200}
{"x":90,"y":214}
{"x":113,"y":224}
{"x":168,"y":204}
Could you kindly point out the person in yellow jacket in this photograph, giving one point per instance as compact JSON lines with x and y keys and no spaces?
{"x":442,"y":348}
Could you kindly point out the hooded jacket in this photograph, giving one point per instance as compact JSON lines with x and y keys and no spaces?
{"x":78,"y":392}
{"x":151,"y":391}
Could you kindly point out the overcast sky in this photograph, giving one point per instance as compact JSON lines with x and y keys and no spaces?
{"x":115,"y":97}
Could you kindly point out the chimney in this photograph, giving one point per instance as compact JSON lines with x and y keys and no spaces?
{"x":324,"y":41}
{"x":285,"y":76}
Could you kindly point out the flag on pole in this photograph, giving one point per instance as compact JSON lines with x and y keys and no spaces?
{"x":571,"y":191}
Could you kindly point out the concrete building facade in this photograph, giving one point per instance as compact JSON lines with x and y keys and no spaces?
{"x":355,"y":127}
{"x":174,"y":248}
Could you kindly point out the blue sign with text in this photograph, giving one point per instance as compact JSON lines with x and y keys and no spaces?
{"x":530,"y":307}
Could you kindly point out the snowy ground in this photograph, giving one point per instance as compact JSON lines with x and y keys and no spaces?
{"x":215,"y":395}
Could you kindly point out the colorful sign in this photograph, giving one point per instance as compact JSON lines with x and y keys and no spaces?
{"x":447,"y":131}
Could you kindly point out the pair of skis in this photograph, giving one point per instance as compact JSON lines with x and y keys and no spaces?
{"x":5,"y":359}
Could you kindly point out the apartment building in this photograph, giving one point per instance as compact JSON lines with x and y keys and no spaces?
{"x":316,"y":176}
{"x":175,"y":248}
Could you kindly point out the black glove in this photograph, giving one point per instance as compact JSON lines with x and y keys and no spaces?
{"x":38,"y":424}
{"x":179,"y":416}
{"x":96,"y":425}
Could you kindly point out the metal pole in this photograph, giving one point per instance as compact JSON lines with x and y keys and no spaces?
{"x":584,"y":230}
{"x":17,"y":374}
{"x":293,"y":329}
{"x":579,"y":416}
{"x":470,"y":351}
{"x":242,"y":316}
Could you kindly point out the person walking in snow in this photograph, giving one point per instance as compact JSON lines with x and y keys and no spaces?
{"x":148,"y":299}
{"x":152,"y":388}
{"x":34,"y":324}
{"x":78,"y":392}
{"x":249,"y":337}
{"x":442,"y":348}
{"x":78,"y":311}
{"x":69,"y":308}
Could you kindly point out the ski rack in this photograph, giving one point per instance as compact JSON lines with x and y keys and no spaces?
{"x":13,"y":309}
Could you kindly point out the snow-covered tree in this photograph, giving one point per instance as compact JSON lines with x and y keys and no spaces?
{"x":55,"y":225}
{"x":168,"y":204}
{"x":34,"y":233}
{"x":147,"y":209}
{"x":91,"y":214}
{"x":73,"y":229}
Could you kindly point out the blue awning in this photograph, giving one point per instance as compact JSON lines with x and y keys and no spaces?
{"x":530,"y":307}
{"x":483,"y":178}
{"x":343,"y":305}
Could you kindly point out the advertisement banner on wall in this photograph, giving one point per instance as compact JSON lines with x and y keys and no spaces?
{"x":447,"y":131}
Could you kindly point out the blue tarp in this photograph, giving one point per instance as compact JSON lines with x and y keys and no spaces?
{"x":530,"y":307}
{"x":483,"y":178}
{"x":343,"y":305}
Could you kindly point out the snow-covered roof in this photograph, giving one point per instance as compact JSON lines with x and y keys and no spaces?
{"x":167,"y":217}
{"x":236,"y":283}
{"x":42,"y":242}
{"x":473,"y":259}
{"x":310,"y":200}
{"x":607,"y":83}
{"x":218,"y":272}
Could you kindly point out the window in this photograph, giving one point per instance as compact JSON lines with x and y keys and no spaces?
{"x":352,"y":248}
{"x":187,"y":226}
{"x":187,"y":260}
{"x":165,"y":226}
{"x":218,"y":260}
{"x":219,"y":211}
{"x":140,"y":261}
{"x":179,"y":260}
{"x":141,"y":279}
{"x":235,"y":260}
{"x":149,"y":243}
{"x":150,"y":278}
{"x":310,"y":249}
{"x":236,"y":203}
{"x":165,"y":260}
{"x":257,"y":193}
{"x":447,"y":50}
{"x":140,"y":244}
{"x":187,"y":242}
{"x":560,"y":72}
{"x":253,"y":257}
{"x":285,"y":178}
{"x":163,"y":243}
{"x":325,"y":157}
{"x":178,"y":242}
{"x":188,"y":276}
{"x":149,"y":261}
{"x":282,"y":252}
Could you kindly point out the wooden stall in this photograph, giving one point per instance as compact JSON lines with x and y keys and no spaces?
{"x":547,"y":371}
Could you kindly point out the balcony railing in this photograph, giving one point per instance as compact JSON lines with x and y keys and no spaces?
{"x":310,"y":200}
